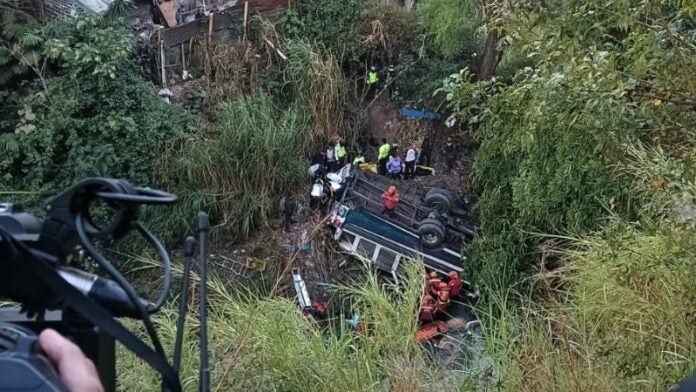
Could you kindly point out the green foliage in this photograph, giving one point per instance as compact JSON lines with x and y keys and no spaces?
{"x":453,"y":26}
{"x":419,"y":76}
{"x":20,"y":45}
{"x":86,"y":46}
{"x":385,"y":31}
{"x":260,"y":344}
{"x":328,"y":24}
{"x":239,"y":169}
{"x":550,"y":142}
{"x":97,"y":117}
{"x":624,"y":322}
{"x":542,"y":166}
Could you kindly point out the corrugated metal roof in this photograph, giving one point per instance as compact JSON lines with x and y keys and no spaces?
{"x":98,"y":6}
{"x":231,"y":18}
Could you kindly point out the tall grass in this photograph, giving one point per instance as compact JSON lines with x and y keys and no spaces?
{"x":317,"y":80}
{"x":239,"y":167}
{"x":621,"y":317}
{"x":266,"y":344}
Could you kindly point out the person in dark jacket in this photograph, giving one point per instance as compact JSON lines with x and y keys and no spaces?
{"x":287,"y":209}
{"x":426,"y":148}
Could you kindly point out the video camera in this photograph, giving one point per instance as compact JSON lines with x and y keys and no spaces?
{"x":40,"y":270}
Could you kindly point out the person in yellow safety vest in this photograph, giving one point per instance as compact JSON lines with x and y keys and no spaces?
{"x":340,"y":151}
{"x":372,"y":81}
{"x":383,"y":157}
{"x":372,"y":77}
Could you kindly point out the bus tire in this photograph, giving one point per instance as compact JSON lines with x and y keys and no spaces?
{"x":431,"y":233}
{"x":439,"y":200}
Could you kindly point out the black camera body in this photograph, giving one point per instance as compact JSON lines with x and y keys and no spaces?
{"x":36,"y":273}
{"x":97,"y":346}
{"x":22,"y":365}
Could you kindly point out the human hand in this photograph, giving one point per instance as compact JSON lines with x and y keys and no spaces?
{"x":77,"y":372}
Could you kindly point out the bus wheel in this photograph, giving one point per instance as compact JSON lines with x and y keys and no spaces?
{"x":431,"y":233}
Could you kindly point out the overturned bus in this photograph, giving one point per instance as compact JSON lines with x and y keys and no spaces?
{"x":428,"y":224}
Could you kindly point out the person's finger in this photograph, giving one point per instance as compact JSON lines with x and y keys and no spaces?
{"x":76,"y":371}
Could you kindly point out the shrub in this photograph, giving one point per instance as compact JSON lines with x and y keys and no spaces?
{"x":452,"y":25}
{"x":618,"y":317}
{"x":96,"y":116}
{"x":239,"y":169}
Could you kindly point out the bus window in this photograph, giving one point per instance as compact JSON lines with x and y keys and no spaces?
{"x":385,"y":259}
{"x":346,"y":241}
{"x":365,"y":248}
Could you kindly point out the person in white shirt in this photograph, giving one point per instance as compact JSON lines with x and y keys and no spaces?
{"x":317,"y":194}
{"x":410,"y":163}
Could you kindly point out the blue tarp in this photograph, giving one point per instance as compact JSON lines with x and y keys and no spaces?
{"x":410,"y":112}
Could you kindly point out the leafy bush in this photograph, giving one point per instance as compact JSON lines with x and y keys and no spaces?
{"x":96,"y":117}
{"x":543,"y":165}
{"x":420,"y":76}
{"x":452,"y":25}
{"x":326,"y":23}
{"x":552,"y":140}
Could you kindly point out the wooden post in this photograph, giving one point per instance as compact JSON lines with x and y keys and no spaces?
{"x":183,"y":61}
{"x":161,"y":46}
{"x":246,"y":15}
{"x":210,"y":28}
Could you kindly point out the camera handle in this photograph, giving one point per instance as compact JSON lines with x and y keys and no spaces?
{"x":97,"y":315}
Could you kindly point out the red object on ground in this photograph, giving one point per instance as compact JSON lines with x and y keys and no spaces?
{"x":320,"y":307}
{"x":431,"y":330}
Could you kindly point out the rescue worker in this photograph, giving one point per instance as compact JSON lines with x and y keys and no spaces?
{"x":383,"y":157}
{"x":372,"y":81}
{"x":391,"y":201}
{"x":443,"y":300}
{"x":435,"y":284}
{"x":327,"y":197}
{"x":340,"y":153}
{"x":454,"y":284}
{"x":426,"y":148}
{"x":330,"y":159}
{"x":427,"y":308}
{"x":410,"y":163}
{"x":287,"y":208}
{"x":317,"y":194}
{"x":394,"y":167}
